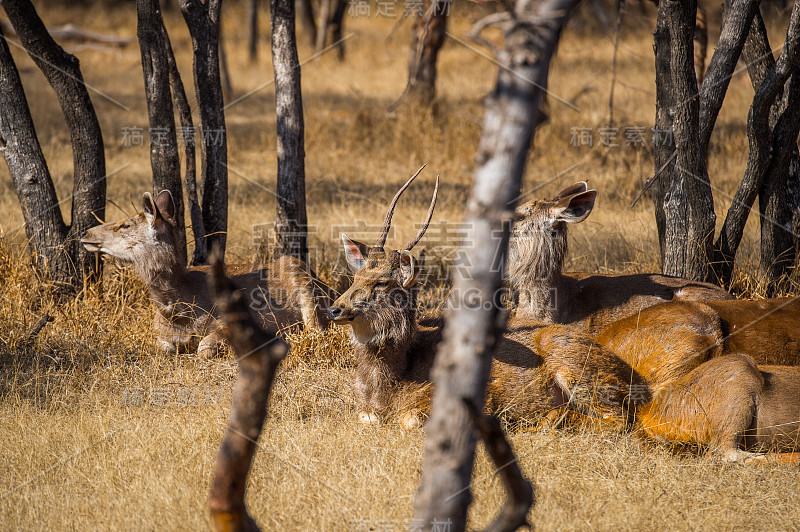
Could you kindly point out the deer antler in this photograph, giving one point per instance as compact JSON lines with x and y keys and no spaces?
{"x":427,"y":222}
{"x":387,"y":223}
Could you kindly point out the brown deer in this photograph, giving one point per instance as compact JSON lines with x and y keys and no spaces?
{"x":538,"y":368}
{"x":703,"y":377}
{"x":536,"y":256}
{"x":283,"y":294}
{"x":730,"y":405}
{"x":725,"y":403}
{"x":669,"y":335}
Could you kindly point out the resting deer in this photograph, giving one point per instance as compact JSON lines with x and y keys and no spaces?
{"x":537,"y":369}
{"x":536,"y":256}
{"x":542,"y":369}
{"x":730,"y":405}
{"x":703,"y":377}
{"x":283,"y":294}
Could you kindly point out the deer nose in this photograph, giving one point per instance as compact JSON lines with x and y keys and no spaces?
{"x":334,"y":312}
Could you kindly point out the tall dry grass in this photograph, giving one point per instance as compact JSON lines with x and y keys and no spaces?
{"x":100,"y":430}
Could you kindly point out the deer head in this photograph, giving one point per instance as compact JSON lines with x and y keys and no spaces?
{"x":538,"y":243}
{"x":146,"y":240}
{"x":381,"y":301}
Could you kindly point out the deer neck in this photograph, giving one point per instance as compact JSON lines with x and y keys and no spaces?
{"x":544,"y":300}
{"x":535,"y":272}
{"x":383,"y":354}
{"x":164,"y":275}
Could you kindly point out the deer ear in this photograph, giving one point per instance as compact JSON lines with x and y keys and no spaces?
{"x":575,"y":208}
{"x":150,"y":209}
{"x":408,"y":268}
{"x":355,"y":253}
{"x":571,"y":190}
{"x":165,"y":204}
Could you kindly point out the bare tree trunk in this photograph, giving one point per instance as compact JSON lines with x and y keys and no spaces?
{"x":322,"y":24}
{"x":290,"y":222}
{"x":663,"y":141}
{"x":202,"y":18}
{"x":63,"y":73}
{"x":688,"y":204}
{"x":44,"y":226}
{"x":475,"y":322}
{"x":427,"y":39}
{"x":252,"y":19}
{"x":164,"y":160}
{"x":760,"y":133}
{"x":188,"y":134}
{"x":736,"y":20}
{"x":336,"y":26}
{"x":778,"y":196}
{"x":259,"y":354}
{"x":305,"y":12}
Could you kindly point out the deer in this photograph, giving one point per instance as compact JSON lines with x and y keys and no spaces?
{"x":545,"y":370}
{"x":185,"y":319}
{"x":534,"y":269}
{"x":539,"y":369}
{"x":730,"y":405}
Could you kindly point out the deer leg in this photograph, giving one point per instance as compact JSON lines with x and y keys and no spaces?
{"x":210,"y":344}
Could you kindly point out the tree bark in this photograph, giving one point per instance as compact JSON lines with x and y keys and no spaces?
{"x":663,"y":141}
{"x":259,"y":354}
{"x":737,"y":17}
{"x":305,"y":12}
{"x":336,"y":26}
{"x":778,"y":196}
{"x":688,"y":204}
{"x":164,"y":160}
{"x":252,"y":22}
{"x":428,"y":34}
{"x":199,"y":256}
{"x":202,"y":18}
{"x":63,"y":73}
{"x":291,"y":221}
{"x":475,"y":322}
{"x":44,"y":226}
{"x":760,"y":134}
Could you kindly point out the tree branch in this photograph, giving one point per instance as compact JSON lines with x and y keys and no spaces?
{"x":259,"y":353}
{"x":475,"y":322}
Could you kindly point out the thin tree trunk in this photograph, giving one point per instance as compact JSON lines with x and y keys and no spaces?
{"x":259,"y":354}
{"x":44,"y":226}
{"x":473,"y":325}
{"x":336,"y":27}
{"x":305,"y":12}
{"x":688,"y":205}
{"x":737,"y":17}
{"x":778,"y":196}
{"x":322,"y":24}
{"x":63,"y":73}
{"x":759,"y":132}
{"x":188,"y":135}
{"x":663,"y":141}
{"x":203,"y":22}
{"x":164,"y":160}
{"x":427,"y":39}
{"x":290,"y":221}
{"x":252,"y":22}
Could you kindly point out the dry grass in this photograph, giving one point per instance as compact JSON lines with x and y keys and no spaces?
{"x":102,"y":431}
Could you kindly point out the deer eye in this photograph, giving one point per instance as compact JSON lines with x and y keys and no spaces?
{"x":123,"y":226}
{"x":382,"y":284}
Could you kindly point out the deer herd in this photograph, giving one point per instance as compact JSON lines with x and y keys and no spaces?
{"x":676,"y":361}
